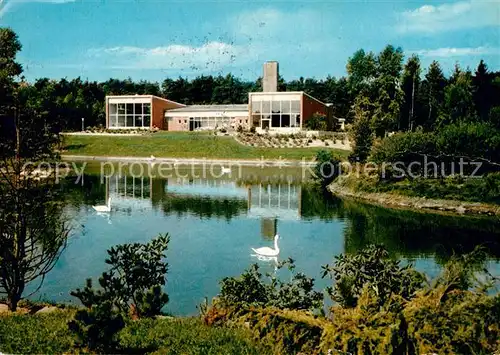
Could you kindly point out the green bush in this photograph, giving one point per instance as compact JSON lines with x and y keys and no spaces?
{"x":132,"y":287}
{"x":317,"y":122}
{"x":251,"y":289}
{"x":371,"y":268}
{"x":472,"y":140}
{"x":404,"y":147}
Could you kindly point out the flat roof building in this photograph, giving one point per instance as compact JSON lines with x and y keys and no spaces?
{"x":269,"y":110}
{"x":137,"y":111}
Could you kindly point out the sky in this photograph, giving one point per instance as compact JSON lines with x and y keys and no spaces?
{"x":156,"y":39}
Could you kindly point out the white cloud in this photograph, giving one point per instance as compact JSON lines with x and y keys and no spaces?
{"x":445,"y":17}
{"x":457,"y":52}
{"x":210,"y":56}
{"x":251,"y":37}
{"x":8,"y":5}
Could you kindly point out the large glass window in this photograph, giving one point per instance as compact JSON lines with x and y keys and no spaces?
{"x":130,"y":115}
{"x":277,"y":111}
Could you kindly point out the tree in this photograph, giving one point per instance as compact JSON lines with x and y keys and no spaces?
{"x":361,"y":132}
{"x":458,"y":100}
{"x":433,"y":93}
{"x":410,"y":87}
{"x":483,"y":91}
{"x":32,"y":229}
{"x":361,"y":70}
{"x":33,"y":233}
{"x":388,"y":95}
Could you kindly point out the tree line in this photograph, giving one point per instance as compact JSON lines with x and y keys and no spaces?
{"x":398,"y":95}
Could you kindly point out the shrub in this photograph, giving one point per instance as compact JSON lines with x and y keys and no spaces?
{"x":240,"y":129}
{"x":132,"y":287}
{"x":404,"y":147}
{"x":473,"y":140}
{"x":372,"y":269}
{"x":250,"y":289}
{"x":317,"y":122}
{"x":252,"y":129}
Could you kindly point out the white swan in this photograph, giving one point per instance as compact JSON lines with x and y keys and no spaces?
{"x":266,"y":251}
{"x":225,"y":170}
{"x":103,"y":208}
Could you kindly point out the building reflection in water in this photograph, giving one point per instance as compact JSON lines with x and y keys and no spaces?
{"x":212,"y":197}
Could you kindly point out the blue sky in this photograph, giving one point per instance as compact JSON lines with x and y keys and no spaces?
{"x":155,"y":39}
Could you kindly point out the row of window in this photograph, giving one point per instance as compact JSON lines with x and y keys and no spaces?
{"x":210,"y":122}
{"x":281,"y":106}
{"x":276,"y":114}
{"x":136,"y":115}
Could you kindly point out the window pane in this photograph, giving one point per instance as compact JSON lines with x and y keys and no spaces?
{"x":112,"y":109}
{"x":147,"y":121}
{"x":147,"y":108}
{"x":276,"y":121}
{"x":285,"y":120}
{"x":265,"y":124}
{"x":298,"y":121}
{"x":276,"y":106}
{"x":130,"y":121}
{"x":138,"y":109}
{"x":138,"y":121}
{"x":121,"y":109}
{"x":266,"y":106}
{"x":295,"y":106}
{"x":256,"y":106}
{"x":121,"y":121}
{"x":129,"y":109}
{"x":285,"y":106}
{"x":112,"y":120}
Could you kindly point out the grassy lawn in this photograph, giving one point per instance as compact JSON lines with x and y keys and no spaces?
{"x":49,"y":334}
{"x":180,"y":145}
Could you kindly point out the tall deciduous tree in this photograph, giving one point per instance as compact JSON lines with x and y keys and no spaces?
{"x":361,"y":70}
{"x":388,"y":94}
{"x":458,"y":100}
{"x":32,"y":231}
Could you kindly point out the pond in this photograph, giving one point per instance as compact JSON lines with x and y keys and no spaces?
{"x":214,"y":223}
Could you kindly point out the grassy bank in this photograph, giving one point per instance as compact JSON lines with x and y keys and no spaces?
{"x":180,"y":145}
{"x":49,"y":334}
{"x":446,"y":195}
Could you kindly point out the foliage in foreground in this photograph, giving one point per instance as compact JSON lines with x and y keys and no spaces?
{"x":371,"y":268}
{"x":131,"y":288}
{"x":457,"y":313}
{"x":251,"y":289}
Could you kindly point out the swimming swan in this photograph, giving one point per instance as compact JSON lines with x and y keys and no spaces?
{"x":103,"y":208}
{"x":266,"y":251}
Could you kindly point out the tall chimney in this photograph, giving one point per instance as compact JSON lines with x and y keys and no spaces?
{"x":270,"y":77}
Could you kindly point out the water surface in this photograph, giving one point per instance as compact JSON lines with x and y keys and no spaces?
{"x":214,"y":223}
